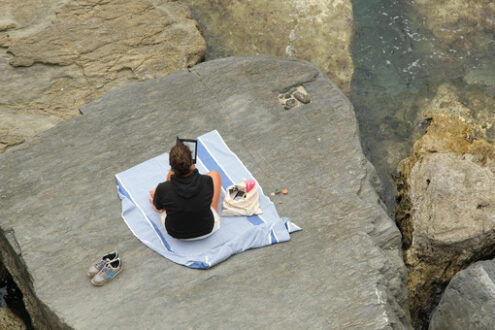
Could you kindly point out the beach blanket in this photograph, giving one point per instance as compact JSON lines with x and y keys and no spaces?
{"x":237,"y":233}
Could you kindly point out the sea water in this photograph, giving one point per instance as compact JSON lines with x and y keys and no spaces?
{"x":399,"y":60}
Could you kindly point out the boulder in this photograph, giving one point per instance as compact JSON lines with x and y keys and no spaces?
{"x":446,"y":206}
{"x":318,"y":31}
{"x":469,"y":300}
{"x":60,"y":209}
{"x":16,"y":127}
{"x":452,"y":223}
{"x":58,"y":55}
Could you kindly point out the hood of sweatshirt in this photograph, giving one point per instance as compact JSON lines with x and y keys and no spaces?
{"x":187,"y":187}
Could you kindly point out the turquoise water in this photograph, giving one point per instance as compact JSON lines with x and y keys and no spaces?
{"x":398,"y":60}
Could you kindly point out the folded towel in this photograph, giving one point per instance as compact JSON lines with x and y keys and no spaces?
{"x":236,"y":234}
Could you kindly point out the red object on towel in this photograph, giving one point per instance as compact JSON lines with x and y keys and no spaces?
{"x":250,"y":184}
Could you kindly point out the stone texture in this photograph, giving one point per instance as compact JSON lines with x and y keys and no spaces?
{"x":469,"y":300}
{"x":59,"y":54}
{"x":452,"y":222}
{"x":466,"y":25}
{"x":10,"y":321}
{"x":451,"y":126}
{"x":319,"y":31}
{"x":445,"y":209}
{"x":59,"y":203}
{"x":453,"y":202}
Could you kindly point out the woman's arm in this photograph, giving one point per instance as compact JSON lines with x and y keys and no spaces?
{"x":152,"y":194}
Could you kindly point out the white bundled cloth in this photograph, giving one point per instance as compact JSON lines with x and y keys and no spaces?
{"x":239,"y":202}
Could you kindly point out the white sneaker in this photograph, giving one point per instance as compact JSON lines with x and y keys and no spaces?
{"x":107,"y":273}
{"x":98,"y":265}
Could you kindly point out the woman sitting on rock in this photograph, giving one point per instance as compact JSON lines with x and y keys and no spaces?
{"x":188,"y":200}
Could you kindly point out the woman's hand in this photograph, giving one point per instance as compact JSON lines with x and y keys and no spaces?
{"x":153,"y":205}
{"x":152,"y":194}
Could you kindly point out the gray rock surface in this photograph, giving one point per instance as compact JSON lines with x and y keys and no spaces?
{"x":453,"y":221}
{"x":453,"y":202}
{"x":60,"y":209}
{"x":469,"y":300}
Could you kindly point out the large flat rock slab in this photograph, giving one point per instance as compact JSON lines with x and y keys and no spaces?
{"x":60,"y":209}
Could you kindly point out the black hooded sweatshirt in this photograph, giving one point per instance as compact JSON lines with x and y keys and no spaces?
{"x":187,"y":201}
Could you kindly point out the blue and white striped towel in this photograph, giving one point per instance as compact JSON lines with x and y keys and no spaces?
{"x":236,"y":234}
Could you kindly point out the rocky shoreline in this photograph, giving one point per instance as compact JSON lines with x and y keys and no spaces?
{"x":446,"y":199}
{"x":58,"y":56}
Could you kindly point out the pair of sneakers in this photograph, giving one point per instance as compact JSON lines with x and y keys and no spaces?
{"x":105,"y":269}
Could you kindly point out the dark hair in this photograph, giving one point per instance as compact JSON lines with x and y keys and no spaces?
{"x":180,"y":159}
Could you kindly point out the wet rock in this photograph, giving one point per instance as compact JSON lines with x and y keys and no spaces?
{"x":446,"y":205}
{"x":318,"y":31}
{"x":466,"y":25}
{"x":60,"y":54}
{"x":469,"y":300}
{"x":451,"y":224}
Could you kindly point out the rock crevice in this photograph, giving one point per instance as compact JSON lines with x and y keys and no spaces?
{"x":41,"y":317}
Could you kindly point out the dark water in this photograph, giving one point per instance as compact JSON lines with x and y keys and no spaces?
{"x":398,"y":60}
{"x":11,"y":297}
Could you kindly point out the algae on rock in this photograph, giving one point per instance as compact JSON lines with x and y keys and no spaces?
{"x":318,"y":31}
{"x":347,"y":237}
{"x":446,"y":208}
{"x":10,"y":321}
